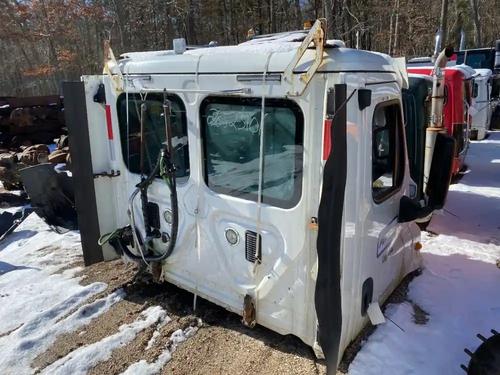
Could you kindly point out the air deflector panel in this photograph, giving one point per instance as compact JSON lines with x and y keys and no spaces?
{"x":327,"y":294}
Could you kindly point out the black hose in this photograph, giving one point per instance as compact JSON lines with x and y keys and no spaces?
{"x":118,"y":241}
{"x":166,"y":169}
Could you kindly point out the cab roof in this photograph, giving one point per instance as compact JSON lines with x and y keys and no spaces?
{"x":252,"y":57}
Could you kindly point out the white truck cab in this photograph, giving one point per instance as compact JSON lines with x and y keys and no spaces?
{"x":483,"y":106}
{"x":291,"y":178}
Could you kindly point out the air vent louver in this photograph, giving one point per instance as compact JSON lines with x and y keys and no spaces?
{"x":251,"y":247}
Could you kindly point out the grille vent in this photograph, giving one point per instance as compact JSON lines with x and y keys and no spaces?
{"x":251,"y":246}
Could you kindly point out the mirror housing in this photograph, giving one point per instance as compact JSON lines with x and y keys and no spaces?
{"x":410,"y":209}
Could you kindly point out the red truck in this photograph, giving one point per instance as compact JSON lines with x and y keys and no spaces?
{"x":458,"y":97}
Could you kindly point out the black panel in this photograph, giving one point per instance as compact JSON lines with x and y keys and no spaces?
{"x":364,"y":98}
{"x":76,"y":119}
{"x":153,"y":215}
{"x":441,"y":170}
{"x":330,"y":103}
{"x":328,"y":294}
{"x":459,"y":135}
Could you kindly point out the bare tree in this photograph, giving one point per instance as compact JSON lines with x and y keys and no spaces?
{"x":477,"y":25}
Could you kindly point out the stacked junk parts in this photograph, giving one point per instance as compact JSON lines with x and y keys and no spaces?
{"x":34,"y":155}
{"x":240,"y":179}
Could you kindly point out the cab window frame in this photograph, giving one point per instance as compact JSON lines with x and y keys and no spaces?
{"x":299,"y":141}
{"x":158,"y":97}
{"x":399,"y":164}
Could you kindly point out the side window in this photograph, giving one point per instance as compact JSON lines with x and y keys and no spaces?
{"x":130,"y":134}
{"x":475,"y":90}
{"x":387,"y":151}
{"x":231,"y":140}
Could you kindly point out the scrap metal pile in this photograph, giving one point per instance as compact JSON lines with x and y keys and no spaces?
{"x":30,"y":128}
{"x":35,"y":160}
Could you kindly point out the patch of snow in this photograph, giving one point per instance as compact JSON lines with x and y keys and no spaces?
{"x":473,"y":205}
{"x":152,"y":340}
{"x":459,"y":286}
{"x":40,"y":297}
{"x":29,"y":283}
{"x":83,"y":359}
{"x":256,"y":48}
{"x":24,"y":344}
{"x":156,"y":333}
{"x":145,"y":368}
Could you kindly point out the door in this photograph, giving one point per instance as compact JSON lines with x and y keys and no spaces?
{"x":388,"y":184}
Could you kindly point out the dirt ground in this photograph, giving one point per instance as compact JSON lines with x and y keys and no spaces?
{"x":222,"y":344}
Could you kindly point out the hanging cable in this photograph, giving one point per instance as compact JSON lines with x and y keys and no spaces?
{"x":164,"y":168}
{"x":260,"y":193}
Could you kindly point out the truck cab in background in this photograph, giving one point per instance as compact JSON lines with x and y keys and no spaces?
{"x":482,"y":60}
{"x":457,"y":102}
{"x":484,"y":106}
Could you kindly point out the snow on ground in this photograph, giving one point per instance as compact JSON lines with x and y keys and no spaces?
{"x":37,"y":289}
{"x":460,"y":283}
{"x":83,"y":359}
{"x":33,"y":279}
{"x":41,"y":298}
{"x":145,"y":368}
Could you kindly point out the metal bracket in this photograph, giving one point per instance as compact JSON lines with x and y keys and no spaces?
{"x":111,"y":67}
{"x":109,"y":174}
{"x":249,"y":312}
{"x":299,"y":82}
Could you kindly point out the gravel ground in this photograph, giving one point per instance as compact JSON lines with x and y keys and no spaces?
{"x":222,"y":344}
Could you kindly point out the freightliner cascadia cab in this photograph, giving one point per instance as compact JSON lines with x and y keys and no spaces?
{"x":270,"y":178}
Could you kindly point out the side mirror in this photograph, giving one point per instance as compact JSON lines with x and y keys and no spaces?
{"x":410,"y":209}
{"x":437,"y":185}
{"x":441,"y":170}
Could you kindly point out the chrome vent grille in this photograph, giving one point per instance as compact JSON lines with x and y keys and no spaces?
{"x":251,"y":246}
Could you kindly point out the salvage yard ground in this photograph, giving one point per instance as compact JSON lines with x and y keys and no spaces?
{"x":57,"y":317}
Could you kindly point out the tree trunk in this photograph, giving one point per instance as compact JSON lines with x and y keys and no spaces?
{"x":477,"y":24}
{"x":443,"y":22}
{"x":298,"y":15}
{"x":396,"y":29}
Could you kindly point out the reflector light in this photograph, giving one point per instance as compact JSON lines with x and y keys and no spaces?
{"x":109,"y":124}
{"x":327,"y":138}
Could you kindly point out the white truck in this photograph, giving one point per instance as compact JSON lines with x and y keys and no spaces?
{"x":483,"y":107}
{"x":270,"y":178}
